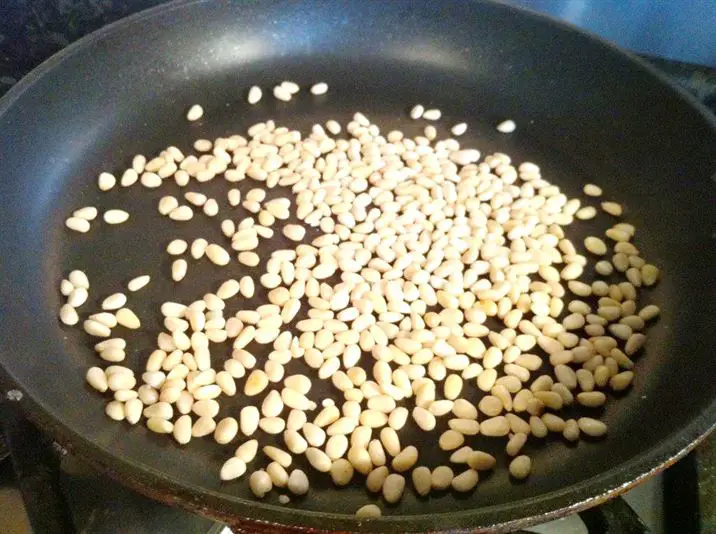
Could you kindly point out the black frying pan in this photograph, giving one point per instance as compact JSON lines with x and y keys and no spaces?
{"x":585,"y":111}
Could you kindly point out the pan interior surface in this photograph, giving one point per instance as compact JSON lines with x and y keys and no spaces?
{"x":585,"y":113}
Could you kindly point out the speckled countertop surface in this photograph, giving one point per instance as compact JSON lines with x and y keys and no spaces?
{"x":33,"y":30}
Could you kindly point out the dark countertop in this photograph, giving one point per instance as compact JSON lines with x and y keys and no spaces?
{"x":33,"y":30}
{"x":706,"y":458}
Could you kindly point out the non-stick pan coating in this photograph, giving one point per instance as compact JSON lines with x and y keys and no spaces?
{"x":585,"y":113}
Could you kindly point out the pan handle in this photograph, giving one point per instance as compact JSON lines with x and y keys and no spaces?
{"x":36,"y":462}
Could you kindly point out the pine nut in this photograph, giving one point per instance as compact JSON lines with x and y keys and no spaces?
{"x":294,"y":232}
{"x":393,"y":488}
{"x":481,"y":461}
{"x":612,"y":208}
{"x":459,"y":129}
{"x":281,"y":93}
{"x":217,"y":255}
{"x":507,"y":126}
{"x":422,"y":480}
{"x":298,"y":482}
{"x":97,"y":379}
{"x":592,"y":190}
{"x":406,"y":459}
{"x":247,"y":451}
{"x":195,"y":113}
{"x":234,"y":468}
{"x":595,"y":246}
{"x":254,"y":95}
{"x":320,"y":88}
{"x":368,"y":511}
{"x":77,"y":224}
{"x":135,"y":284}
{"x":442,"y":477}
{"x":260,"y":483}
{"x":417,"y":112}
{"x":465,"y":481}
{"x":592,"y":427}
{"x":88,"y":213}
{"x":68,"y":315}
{"x":318,"y":459}
{"x":520,"y":467}
{"x":115,"y":216}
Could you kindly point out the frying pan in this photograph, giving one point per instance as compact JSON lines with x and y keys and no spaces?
{"x":586,"y":112}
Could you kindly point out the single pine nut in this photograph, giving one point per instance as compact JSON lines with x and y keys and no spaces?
{"x":177,"y":247}
{"x":592,"y":190}
{"x":234,"y":468}
{"x":294,"y":232}
{"x":595,"y":246}
{"x":68,"y":315}
{"x":226,"y":430}
{"x":592,"y":427}
{"x":182,"y":213}
{"x":254,"y":95}
{"x":406,"y":459}
{"x":195,"y":113}
{"x":320,"y":88}
{"x":507,"y":126}
{"x":432,"y":114}
{"x":441,"y":478}
{"x":247,"y":451}
{"x":318,"y":459}
{"x":465,"y":481}
{"x":97,"y":379}
{"x":115,"y":216}
{"x":282,"y":93}
{"x":77,"y":224}
{"x":127,"y":318}
{"x":459,"y":129}
{"x":106,"y":181}
{"x":260,"y":483}
{"x":115,"y":410}
{"x":298,"y":482}
{"x":159,"y":426}
{"x":88,"y":213}
{"x":612,"y":208}
{"x":481,"y":461}
{"x":422,"y":480}
{"x":135,"y":284}
{"x":368,"y":511}
{"x":97,"y":329}
{"x":417,"y":112}
{"x":217,"y":254}
{"x":520,"y":467}
{"x":393,"y":488}
{"x":179,"y":269}
{"x":249,"y":420}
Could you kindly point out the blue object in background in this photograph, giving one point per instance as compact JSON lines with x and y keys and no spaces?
{"x":680,"y":30}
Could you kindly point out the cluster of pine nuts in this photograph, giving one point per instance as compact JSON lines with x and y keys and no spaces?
{"x":427,"y":273}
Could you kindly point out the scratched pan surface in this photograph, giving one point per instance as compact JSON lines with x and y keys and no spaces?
{"x":585,"y":113}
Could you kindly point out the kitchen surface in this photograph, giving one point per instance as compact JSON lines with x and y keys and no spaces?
{"x":44,"y":485}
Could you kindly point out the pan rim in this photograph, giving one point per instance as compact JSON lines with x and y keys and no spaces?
{"x":58,"y":57}
{"x":610,"y":484}
{"x":536,"y":509}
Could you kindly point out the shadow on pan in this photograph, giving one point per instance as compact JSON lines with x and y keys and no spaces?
{"x":585,"y":111}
